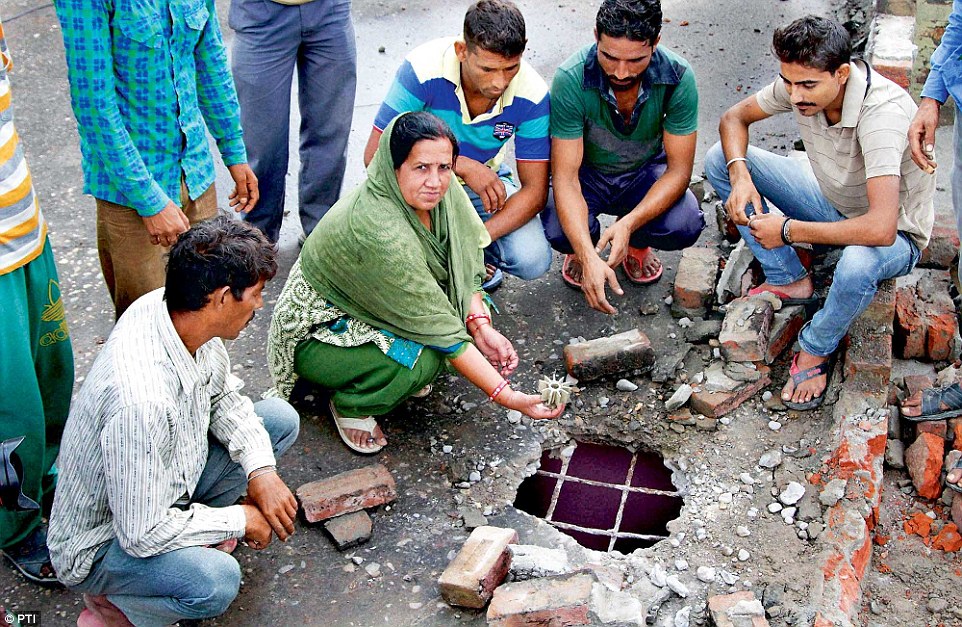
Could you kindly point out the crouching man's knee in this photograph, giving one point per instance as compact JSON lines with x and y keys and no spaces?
{"x":213,"y":586}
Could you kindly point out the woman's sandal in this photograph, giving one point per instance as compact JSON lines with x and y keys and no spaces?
{"x":932,"y":401}
{"x":800,"y":376}
{"x":32,"y":558}
{"x":368,"y":424}
{"x":640,"y":256}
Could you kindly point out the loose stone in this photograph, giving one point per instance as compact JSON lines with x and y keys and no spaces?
{"x":742,"y":531}
{"x":792,"y":493}
{"x":743,"y":555}
{"x":676,"y":586}
{"x":681,"y":564}
{"x":705,"y":573}
{"x":626,"y":386}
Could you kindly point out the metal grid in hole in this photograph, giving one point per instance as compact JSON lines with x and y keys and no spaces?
{"x":596,"y":495}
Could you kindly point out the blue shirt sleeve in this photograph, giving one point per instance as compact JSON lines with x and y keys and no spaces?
{"x":947,"y":53}
{"x":531,"y":142}
{"x":405,"y":94}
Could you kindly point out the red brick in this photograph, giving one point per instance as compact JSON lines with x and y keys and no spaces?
{"x":918,"y":382}
{"x":717,"y":404}
{"x":479,"y":568}
{"x":937,"y":428}
{"x":347,"y":492}
{"x":926,"y":321}
{"x":924,"y":462}
{"x":955,"y":427}
{"x":555,"y":601}
{"x":868,"y":361}
{"x":785,"y":327}
{"x":349,"y":530}
{"x":957,"y":509}
{"x":897,"y":71}
{"x":943,"y":245}
{"x":880,"y":313}
{"x":695,"y":282}
{"x":745,"y":329}
{"x":720,"y":606}
{"x":609,"y":355}
{"x":948,"y":539}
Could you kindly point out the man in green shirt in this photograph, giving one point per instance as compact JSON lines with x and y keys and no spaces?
{"x":624,"y":116}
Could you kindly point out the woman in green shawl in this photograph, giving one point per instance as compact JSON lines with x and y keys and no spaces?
{"x":388,"y":289}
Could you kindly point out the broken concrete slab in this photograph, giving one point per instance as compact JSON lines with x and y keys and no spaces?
{"x":347,"y":492}
{"x":717,"y":404}
{"x":479,"y":568}
{"x":745,"y":330}
{"x":533,"y":562}
{"x":605,"y":356}
{"x":558,"y":601}
{"x":695,"y":282}
{"x":615,"y":608}
{"x":666,"y":365}
{"x":730,"y":282}
{"x":349,"y":530}
{"x":740,"y":609}
{"x":703,"y":330}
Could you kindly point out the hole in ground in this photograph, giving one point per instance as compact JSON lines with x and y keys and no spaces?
{"x":605,"y":497}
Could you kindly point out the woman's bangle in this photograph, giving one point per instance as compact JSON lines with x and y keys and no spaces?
{"x":787,"y":232}
{"x":260,"y":472}
{"x":498,"y":389}
{"x":477,"y":316}
{"x":733,"y":160}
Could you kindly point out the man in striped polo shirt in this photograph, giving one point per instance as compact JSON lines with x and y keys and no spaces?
{"x":487,"y":94}
{"x":624,"y":121}
{"x":863,"y":192}
{"x":36,"y":369}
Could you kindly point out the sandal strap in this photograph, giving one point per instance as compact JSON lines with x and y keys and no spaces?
{"x":368,"y":424}
{"x":934,"y":398}
{"x":800,"y":376}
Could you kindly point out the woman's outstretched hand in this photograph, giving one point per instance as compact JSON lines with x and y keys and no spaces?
{"x":497,"y":349}
{"x":530,"y":405}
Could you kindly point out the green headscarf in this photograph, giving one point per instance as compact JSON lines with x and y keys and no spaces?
{"x":371,"y":257}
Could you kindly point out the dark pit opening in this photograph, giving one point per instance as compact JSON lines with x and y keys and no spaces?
{"x":605,"y":497}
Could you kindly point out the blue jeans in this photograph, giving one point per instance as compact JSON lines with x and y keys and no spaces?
{"x":957,"y":175}
{"x":523,"y":252}
{"x":792,"y":187}
{"x":270,"y":39}
{"x":196,"y":582}
{"x":618,"y":194}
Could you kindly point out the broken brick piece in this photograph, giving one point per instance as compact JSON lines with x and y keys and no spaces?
{"x":717,"y":404}
{"x":695,"y":282}
{"x":957,"y":509}
{"x":604,"y":356}
{"x":925,"y":318}
{"x":868,"y":361}
{"x":918,"y":524}
{"x":786,"y":324}
{"x":745,"y":329}
{"x":347,"y":492}
{"x":560,"y":601}
{"x":948,"y":540}
{"x":955,"y":430}
{"x":936,"y":427}
{"x":918,"y":382}
{"x":735,"y":610}
{"x":924,"y":462}
{"x":943,"y":244}
{"x":349,"y":530}
{"x":479,"y":568}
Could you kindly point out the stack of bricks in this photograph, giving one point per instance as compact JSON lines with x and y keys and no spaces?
{"x":694,"y":290}
{"x":340,"y":502}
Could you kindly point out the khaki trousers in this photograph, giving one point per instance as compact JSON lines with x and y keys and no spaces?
{"x":131,"y":264}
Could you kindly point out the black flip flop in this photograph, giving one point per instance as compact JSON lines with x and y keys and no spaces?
{"x":800,"y":376}
{"x":31,"y":555}
{"x":932,"y":401}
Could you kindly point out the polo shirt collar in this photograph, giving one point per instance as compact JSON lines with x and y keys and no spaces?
{"x":854,"y":95}
{"x":451,"y":71}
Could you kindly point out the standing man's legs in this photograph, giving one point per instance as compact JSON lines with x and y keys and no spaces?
{"x":36,"y":379}
{"x":957,"y":177}
{"x":131,"y":264}
{"x":266,"y":42}
{"x":327,"y":83}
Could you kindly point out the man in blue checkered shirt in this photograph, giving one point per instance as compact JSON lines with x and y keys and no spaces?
{"x":145,"y":77}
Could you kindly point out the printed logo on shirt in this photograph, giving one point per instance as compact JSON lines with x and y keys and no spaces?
{"x":503,"y":130}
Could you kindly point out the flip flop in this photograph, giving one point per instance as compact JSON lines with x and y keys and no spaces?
{"x":423,"y":391}
{"x":932,"y":401}
{"x":800,"y":376}
{"x":494,"y":282}
{"x":32,"y":558}
{"x":368,"y":424}
{"x":785,"y":298}
{"x":634,"y":253}
{"x":566,"y":272}
{"x":954,"y":486}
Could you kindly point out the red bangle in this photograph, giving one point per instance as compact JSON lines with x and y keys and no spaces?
{"x":477,"y":316}
{"x":497,"y":390}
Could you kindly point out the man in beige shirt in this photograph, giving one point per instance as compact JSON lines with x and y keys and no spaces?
{"x":863,"y":191}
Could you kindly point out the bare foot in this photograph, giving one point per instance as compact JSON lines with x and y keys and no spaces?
{"x":955,"y":474}
{"x":639,"y":271}
{"x":489,"y":271}
{"x":912,"y":406}
{"x":801,"y":288}
{"x":809,"y":389}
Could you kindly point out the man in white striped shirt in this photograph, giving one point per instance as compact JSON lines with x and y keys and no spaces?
{"x":862,"y":193}
{"x":160,"y":444}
